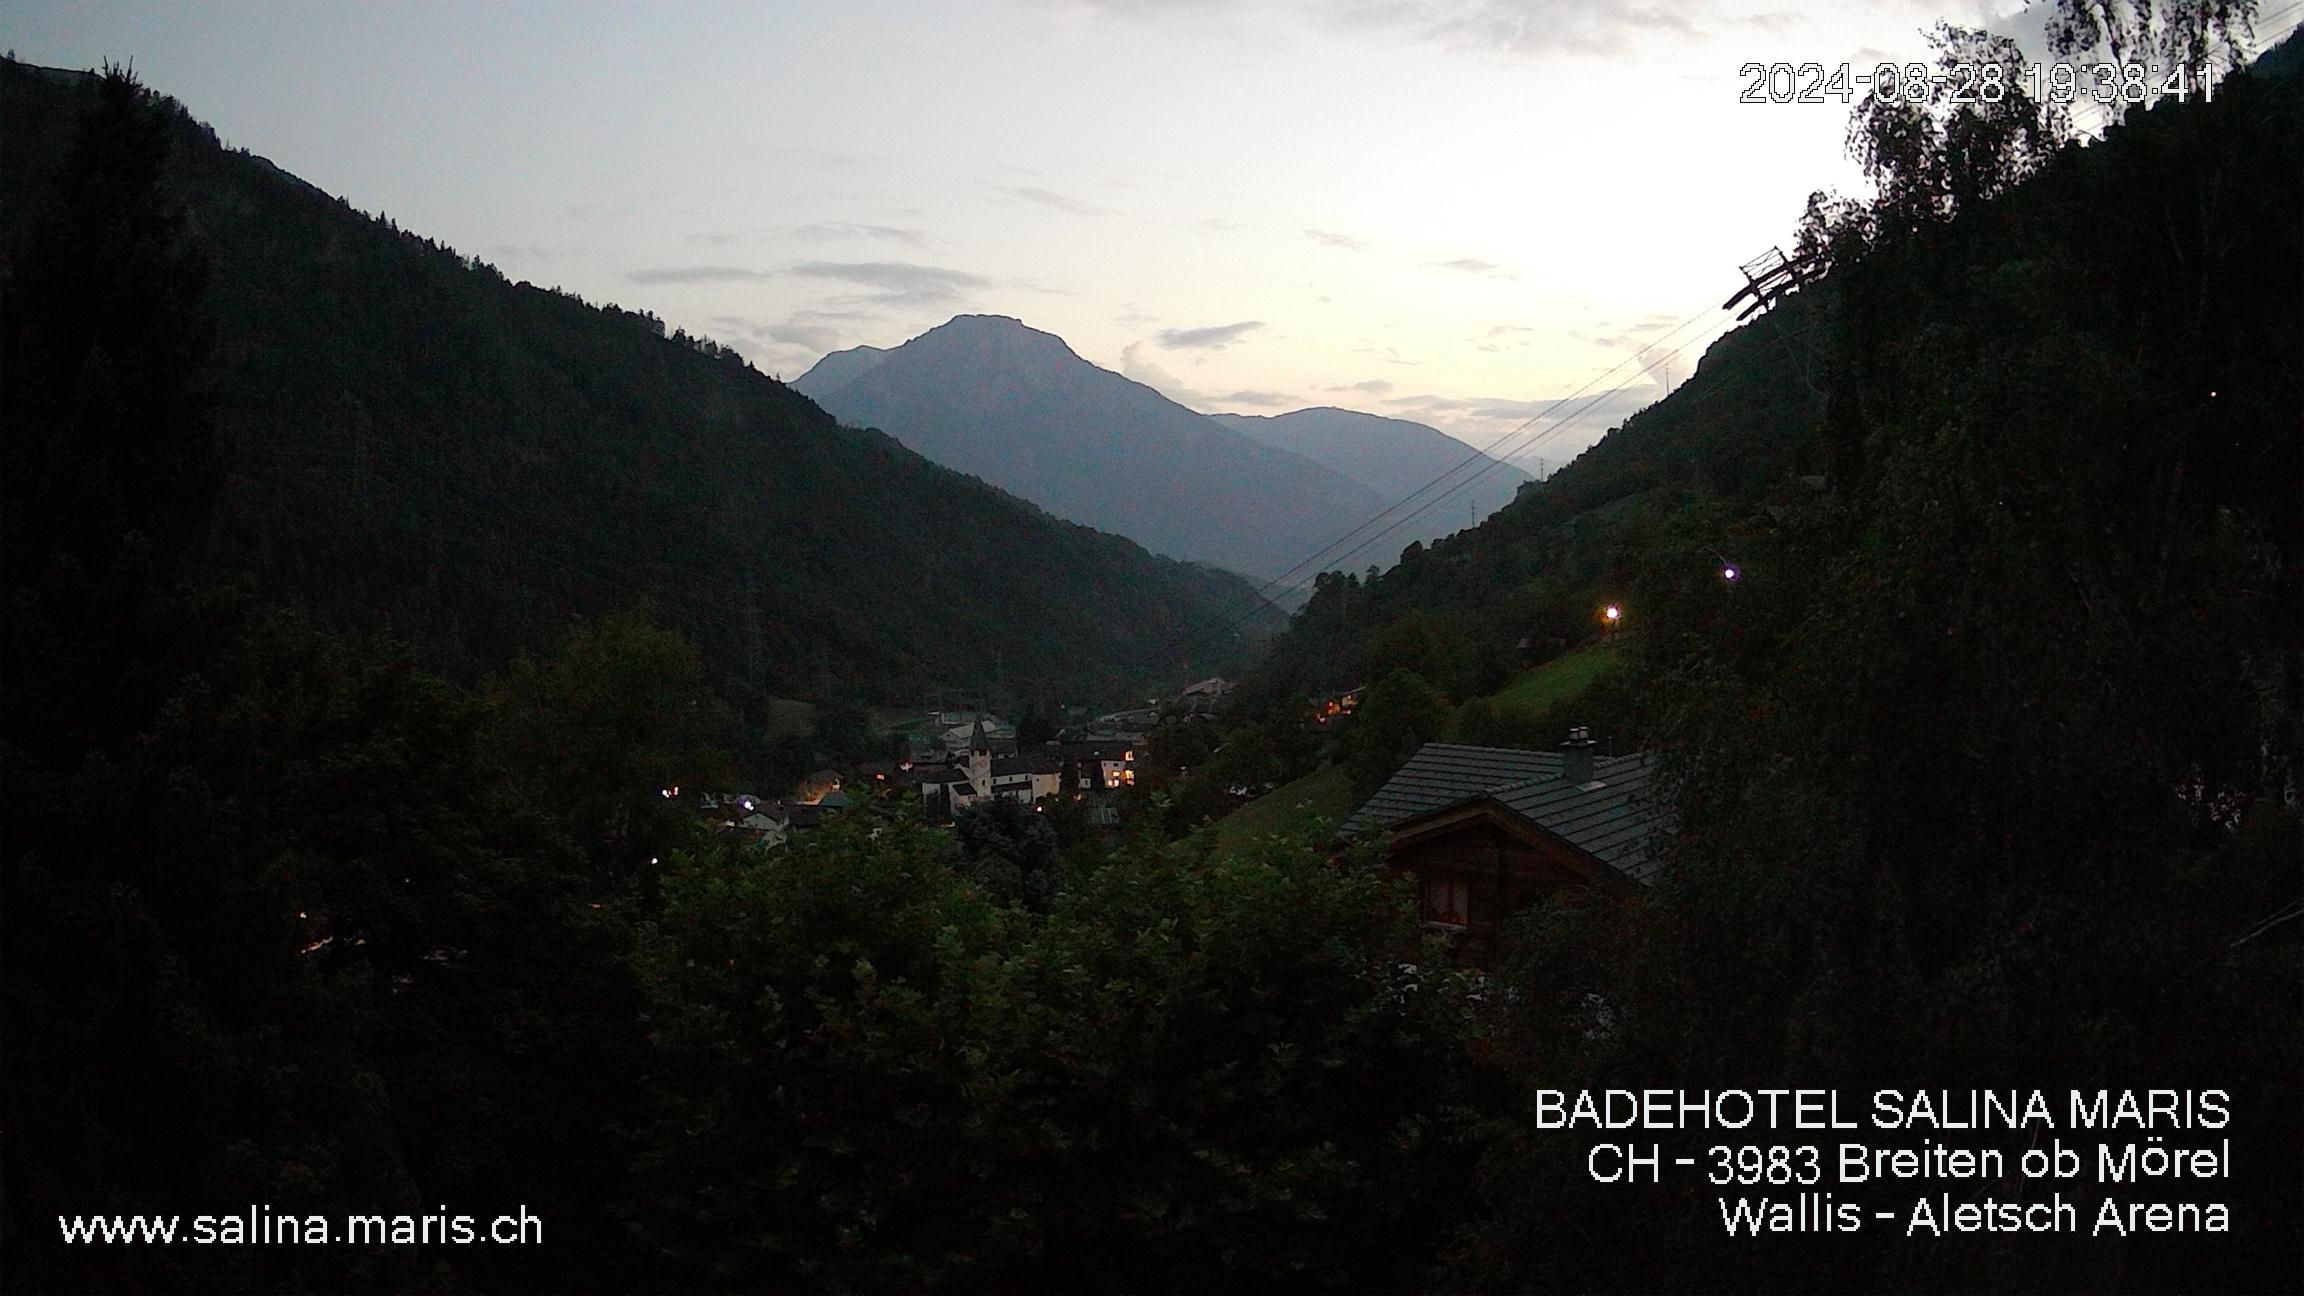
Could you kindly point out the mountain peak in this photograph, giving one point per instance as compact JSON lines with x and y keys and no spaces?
{"x":1000,"y":337}
{"x":993,"y":397}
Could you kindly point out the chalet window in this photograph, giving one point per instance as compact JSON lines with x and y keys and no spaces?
{"x":1447,"y":900}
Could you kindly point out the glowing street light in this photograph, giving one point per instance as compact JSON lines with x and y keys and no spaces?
{"x":1611,"y":614}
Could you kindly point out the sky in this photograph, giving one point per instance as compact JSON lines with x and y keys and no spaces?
{"x":1463,"y":212}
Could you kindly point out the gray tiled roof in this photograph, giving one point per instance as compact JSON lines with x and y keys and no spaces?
{"x":1442,"y":774}
{"x":1614,"y":822}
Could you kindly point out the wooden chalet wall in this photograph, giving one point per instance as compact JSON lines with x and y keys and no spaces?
{"x":1494,"y":862}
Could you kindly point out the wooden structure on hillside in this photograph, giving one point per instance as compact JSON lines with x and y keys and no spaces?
{"x":1769,"y":277}
{"x":1488,"y":831}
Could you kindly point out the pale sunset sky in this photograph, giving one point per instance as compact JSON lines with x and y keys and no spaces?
{"x":1456,"y":211}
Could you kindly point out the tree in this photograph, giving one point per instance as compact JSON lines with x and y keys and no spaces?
{"x":1998,"y":775}
{"x":107,"y":470}
{"x":605,"y":726}
{"x":1936,"y":150}
{"x":1009,"y":849}
{"x":1189,"y":1073}
{"x":2180,"y":34}
{"x":1400,"y":713}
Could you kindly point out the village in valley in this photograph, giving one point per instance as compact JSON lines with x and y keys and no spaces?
{"x":953,"y":759}
{"x":1480,"y":832}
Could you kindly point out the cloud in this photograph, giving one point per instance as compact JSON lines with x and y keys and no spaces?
{"x":1505,"y":337}
{"x":1501,"y":425}
{"x":1474,"y":266}
{"x":831,"y":230}
{"x":1636,"y":335}
{"x":1520,"y":28}
{"x":1167,"y":13}
{"x":1327,"y":239}
{"x":1213,"y":338}
{"x":1372,"y":387}
{"x":800,"y":330}
{"x":1480,"y":407}
{"x":816,"y":337}
{"x":896,"y":283}
{"x":1050,"y":198}
{"x":1135,"y":367}
{"x":529,"y":251}
{"x":1389,"y":355}
{"x":696,"y":274}
{"x":1259,"y":398}
{"x":1143,"y":10}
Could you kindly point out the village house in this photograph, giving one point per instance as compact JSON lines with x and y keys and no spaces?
{"x":1098,"y":764}
{"x":1333,"y":709}
{"x":1027,"y":776}
{"x":1487,"y":831}
{"x":755,"y":821}
{"x":1202,"y":697}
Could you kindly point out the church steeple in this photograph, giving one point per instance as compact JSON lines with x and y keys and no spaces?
{"x":980,"y":759}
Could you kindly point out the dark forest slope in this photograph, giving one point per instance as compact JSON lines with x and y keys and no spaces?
{"x":2191,"y":291}
{"x":414,"y":442}
{"x":1986,"y":767}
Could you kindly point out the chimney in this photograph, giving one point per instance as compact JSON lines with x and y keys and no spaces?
{"x":1576,"y":756}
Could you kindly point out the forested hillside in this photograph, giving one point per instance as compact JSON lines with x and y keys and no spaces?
{"x":1781,"y":422}
{"x":1981,"y":775}
{"x":1985,"y":763}
{"x":297,"y":932}
{"x":409,"y":441}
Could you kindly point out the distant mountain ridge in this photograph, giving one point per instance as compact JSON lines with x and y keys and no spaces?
{"x":1397,"y":459}
{"x":839,"y":369}
{"x":987,"y":395}
{"x":413,"y":442}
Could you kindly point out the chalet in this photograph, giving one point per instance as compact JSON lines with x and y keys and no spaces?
{"x":765,"y":828}
{"x":1203,"y":697}
{"x":1027,"y":778}
{"x":1486,"y":831}
{"x":1098,"y":764}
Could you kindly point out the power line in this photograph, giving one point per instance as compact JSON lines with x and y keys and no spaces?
{"x":1496,"y":454}
{"x":1189,"y":640}
{"x":1486,"y":461}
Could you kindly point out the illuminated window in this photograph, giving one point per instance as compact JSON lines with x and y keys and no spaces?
{"x":1447,"y":900}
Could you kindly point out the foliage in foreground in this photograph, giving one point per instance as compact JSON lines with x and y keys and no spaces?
{"x":1190,"y":1073}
